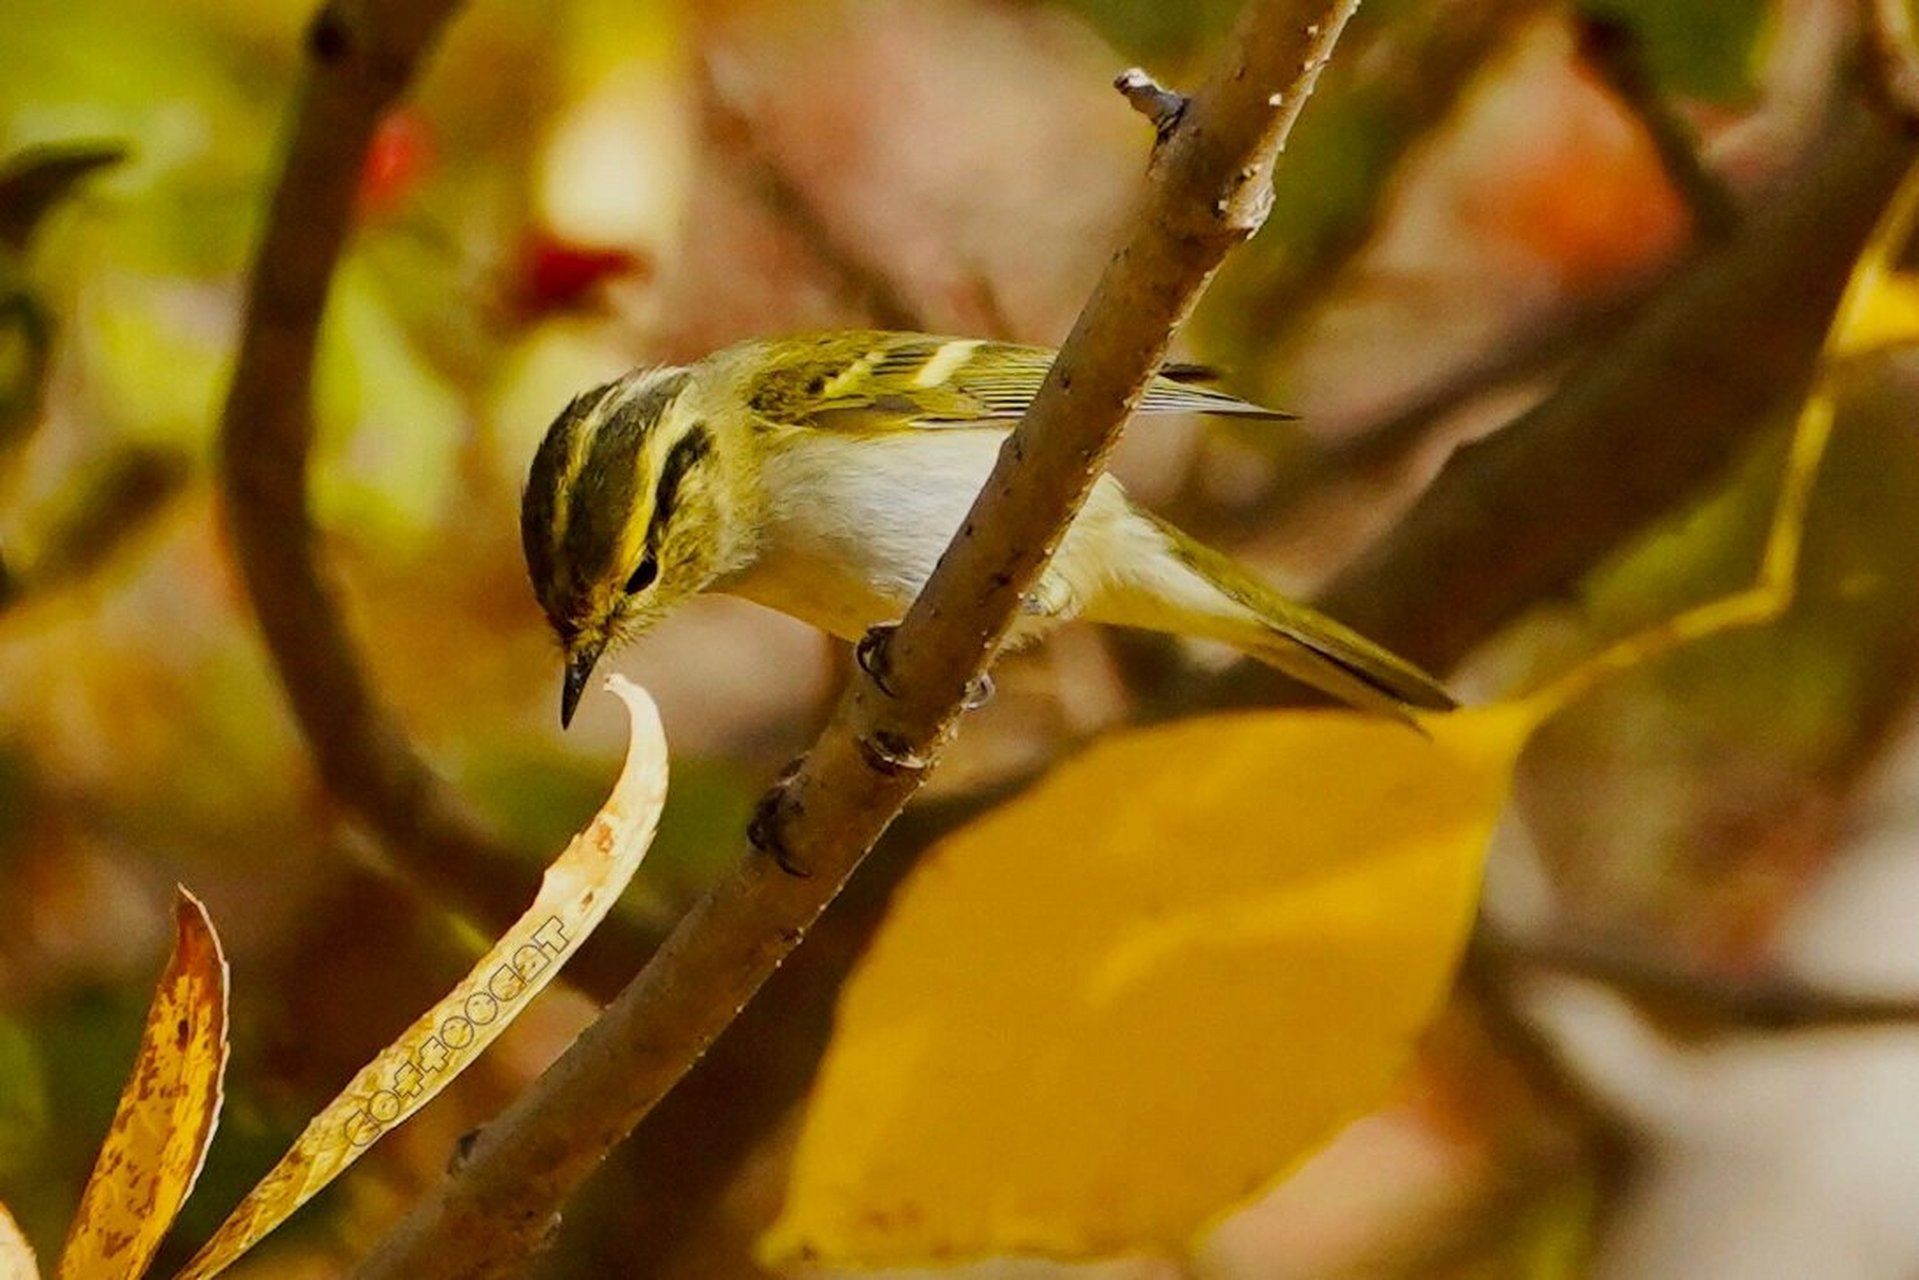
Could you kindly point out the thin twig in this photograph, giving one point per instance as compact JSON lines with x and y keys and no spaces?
{"x":361,"y":55}
{"x":1210,"y":189}
{"x":1489,"y":980}
{"x":1151,"y":99}
{"x":728,"y":124}
{"x":1764,"y":1002}
{"x":1612,"y":49}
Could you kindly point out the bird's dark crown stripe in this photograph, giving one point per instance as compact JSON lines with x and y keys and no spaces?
{"x":549,"y":483}
{"x":687,"y":452}
{"x":600,"y":500}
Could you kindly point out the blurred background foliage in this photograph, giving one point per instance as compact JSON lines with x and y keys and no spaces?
{"x":1475,"y":205}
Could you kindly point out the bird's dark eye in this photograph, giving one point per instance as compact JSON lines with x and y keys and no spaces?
{"x":643,"y":576}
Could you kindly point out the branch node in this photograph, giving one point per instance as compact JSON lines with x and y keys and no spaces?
{"x":463,"y":1150}
{"x":329,"y":42}
{"x":1164,"y":107}
{"x":766,"y":832}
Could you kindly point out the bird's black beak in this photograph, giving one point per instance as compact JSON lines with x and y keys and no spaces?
{"x":579,"y":665}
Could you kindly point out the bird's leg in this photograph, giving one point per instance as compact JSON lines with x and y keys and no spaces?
{"x":871,"y":654}
{"x":1050,"y":597}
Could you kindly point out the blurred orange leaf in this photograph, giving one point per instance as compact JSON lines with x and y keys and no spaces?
{"x":400,"y":155}
{"x":580,"y":887}
{"x":167,"y":1112}
{"x":1108,"y":1012}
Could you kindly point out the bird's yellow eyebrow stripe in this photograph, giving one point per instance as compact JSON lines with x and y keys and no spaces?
{"x":941,"y":364}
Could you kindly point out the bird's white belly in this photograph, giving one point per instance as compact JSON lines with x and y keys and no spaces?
{"x":855,"y":524}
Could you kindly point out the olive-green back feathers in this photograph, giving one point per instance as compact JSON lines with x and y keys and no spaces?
{"x":621,"y":463}
{"x":875,"y":381}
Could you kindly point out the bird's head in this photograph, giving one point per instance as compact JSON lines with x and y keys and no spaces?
{"x":624,"y":515}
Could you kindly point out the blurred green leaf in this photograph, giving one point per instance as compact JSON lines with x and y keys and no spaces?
{"x":389,"y":425}
{"x":80,"y":1048}
{"x":704,"y":824}
{"x":24,"y":1110}
{"x":1706,"y":49}
{"x":537,"y":800}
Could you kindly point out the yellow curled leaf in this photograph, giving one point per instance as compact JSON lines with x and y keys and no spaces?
{"x":158,"y":1140}
{"x":1103,"y":1015}
{"x":579,"y":888}
{"x":16,"y":1255}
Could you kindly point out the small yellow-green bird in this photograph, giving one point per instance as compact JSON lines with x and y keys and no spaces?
{"x":823,"y":475}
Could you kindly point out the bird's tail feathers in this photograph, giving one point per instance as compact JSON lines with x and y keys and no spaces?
{"x":1295,"y":639}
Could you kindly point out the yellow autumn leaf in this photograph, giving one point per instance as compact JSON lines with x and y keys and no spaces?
{"x":1126,"y":1001}
{"x":1100,"y":1018}
{"x":579,"y":888}
{"x":16,"y":1255}
{"x":1887,"y":313}
{"x":158,"y":1140}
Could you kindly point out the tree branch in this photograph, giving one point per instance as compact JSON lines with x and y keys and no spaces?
{"x":1612,"y":49}
{"x":1209,"y":188}
{"x":361,"y":55}
{"x":1763,"y":1002}
{"x":1638,"y":430}
{"x":1521,"y":516}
